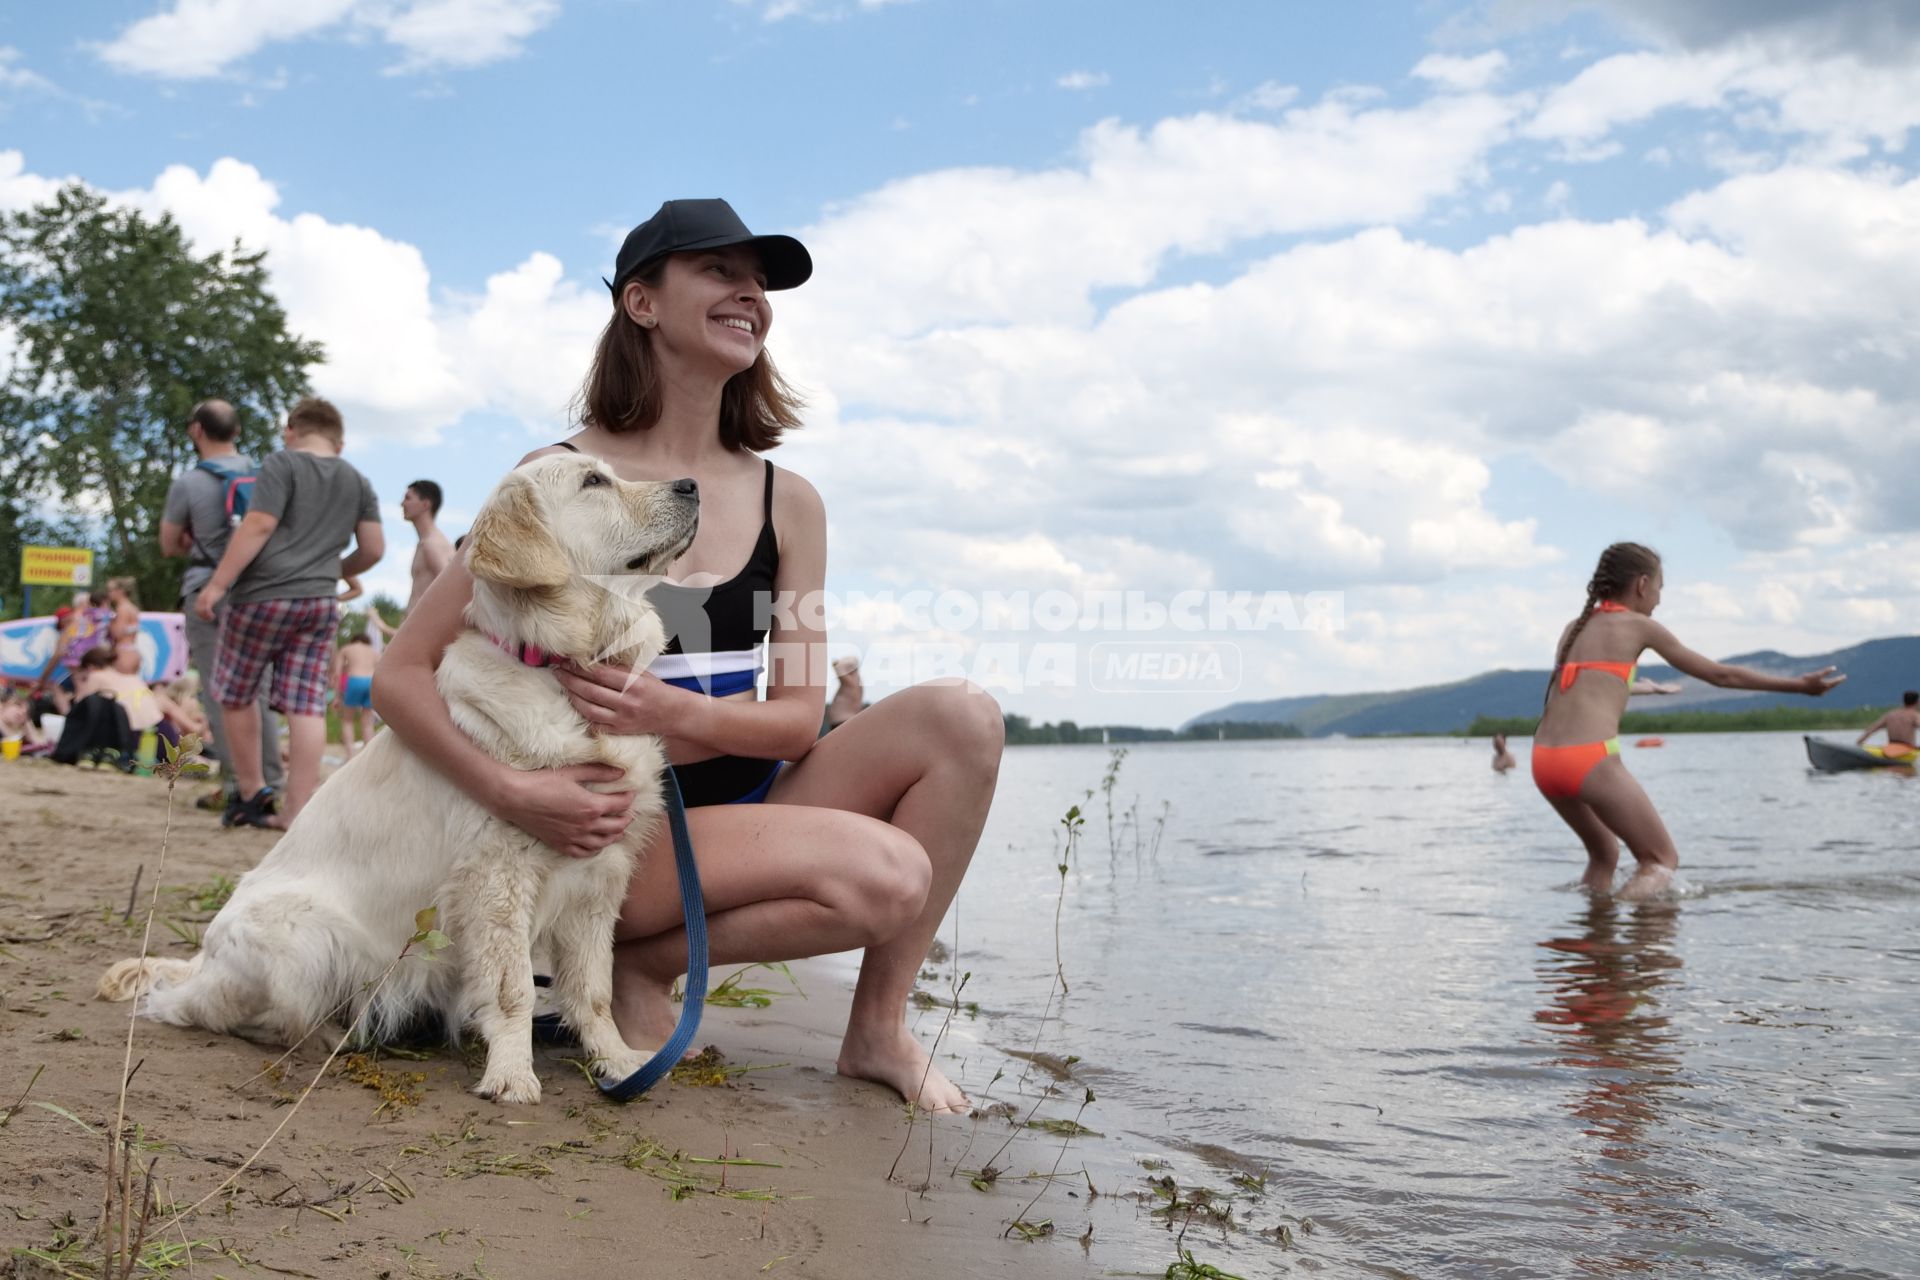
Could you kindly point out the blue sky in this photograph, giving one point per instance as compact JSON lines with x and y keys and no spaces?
{"x":1423,"y":303}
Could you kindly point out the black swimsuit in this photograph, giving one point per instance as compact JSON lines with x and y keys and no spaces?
{"x":714,"y":647}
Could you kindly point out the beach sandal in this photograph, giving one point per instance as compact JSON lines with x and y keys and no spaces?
{"x":256,"y":812}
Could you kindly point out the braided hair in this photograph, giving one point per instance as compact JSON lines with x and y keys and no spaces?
{"x":1619,"y":565}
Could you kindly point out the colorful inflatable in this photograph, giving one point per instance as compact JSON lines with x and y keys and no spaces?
{"x":26,"y":644}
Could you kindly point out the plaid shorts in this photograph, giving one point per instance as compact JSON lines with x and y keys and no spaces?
{"x":294,"y":636}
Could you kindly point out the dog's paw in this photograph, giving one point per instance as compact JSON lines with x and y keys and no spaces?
{"x":615,"y":1067}
{"x":509,"y":1086}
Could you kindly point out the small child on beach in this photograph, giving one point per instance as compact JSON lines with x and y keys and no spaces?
{"x":186,"y":716}
{"x":16,"y":720}
{"x":283,"y":566}
{"x":353,"y":664}
{"x":1576,"y":750}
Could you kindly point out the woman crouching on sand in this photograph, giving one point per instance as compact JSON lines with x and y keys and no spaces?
{"x":1576,"y":755}
{"x":861,"y":839}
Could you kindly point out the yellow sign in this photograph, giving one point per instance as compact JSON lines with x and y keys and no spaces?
{"x":56,"y":567}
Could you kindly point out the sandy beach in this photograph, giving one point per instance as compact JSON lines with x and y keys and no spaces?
{"x":390,"y":1167}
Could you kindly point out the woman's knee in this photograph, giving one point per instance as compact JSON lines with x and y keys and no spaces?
{"x":891,"y":887}
{"x":964,"y":720}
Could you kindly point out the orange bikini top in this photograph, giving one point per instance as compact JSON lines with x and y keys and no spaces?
{"x":1570,"y":671}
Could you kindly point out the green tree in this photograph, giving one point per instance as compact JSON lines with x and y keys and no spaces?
{"x":118,"y":329}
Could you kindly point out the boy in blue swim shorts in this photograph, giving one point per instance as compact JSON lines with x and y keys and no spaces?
{"x":353,"y":665}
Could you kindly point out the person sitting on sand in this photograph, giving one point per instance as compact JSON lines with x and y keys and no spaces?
{"x":1900,"y":724}
{"x":353,"y":664}
{"x":861,"y":838}
{"x":16,"y":720}
{"x":188,"y":716}
{"x":1502,"y":758}
{"x":145,"y":705}
{"x":144,"y":708}
{"x":1576,"y":753}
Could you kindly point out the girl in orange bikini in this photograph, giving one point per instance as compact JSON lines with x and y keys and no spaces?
{"x":1576,"y":755}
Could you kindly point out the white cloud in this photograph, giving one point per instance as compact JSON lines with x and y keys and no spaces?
{"x":1462,"y":75}
{"x":20,"y":189}
{"x":364,"y":296}
{"x":990,"y":245}
{"x":1840,"y":103}
{"x":465,"y":33}
{"x":1270,"y":95}
{"x":818,"y":10}
{"x":199,"y":38}
{"x":1081,"y":80}
{"x":1006,"y":391}
{"x":15,"y":76}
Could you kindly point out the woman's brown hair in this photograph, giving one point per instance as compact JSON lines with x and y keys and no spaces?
{"x":1613,"y":577}
{"x":622,"y":391}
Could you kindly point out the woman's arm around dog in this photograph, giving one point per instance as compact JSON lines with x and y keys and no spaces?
{"x":555,"y":806}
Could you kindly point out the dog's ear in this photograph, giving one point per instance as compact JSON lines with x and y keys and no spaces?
{"x":511,"y":544}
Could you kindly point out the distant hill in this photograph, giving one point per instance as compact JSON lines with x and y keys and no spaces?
{"x":1877,"y":672}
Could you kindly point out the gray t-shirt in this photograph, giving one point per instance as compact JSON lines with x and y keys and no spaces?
{"x":318,"y":500}
{"x":197,"y":502}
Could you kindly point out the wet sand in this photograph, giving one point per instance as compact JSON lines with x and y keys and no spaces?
{"x":430,"y":1180}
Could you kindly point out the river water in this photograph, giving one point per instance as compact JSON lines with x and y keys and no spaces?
{"x":1363,"y":971}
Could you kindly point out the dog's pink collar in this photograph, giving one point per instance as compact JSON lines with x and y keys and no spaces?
{"x":530,"y":654}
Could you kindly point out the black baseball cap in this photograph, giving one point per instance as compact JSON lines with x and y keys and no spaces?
{"x":685,"y":226}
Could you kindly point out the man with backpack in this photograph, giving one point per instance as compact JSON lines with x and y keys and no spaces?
{"x":205,"y":503}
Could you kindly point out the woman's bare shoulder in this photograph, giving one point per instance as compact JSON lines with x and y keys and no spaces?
{"x":795,"y":497}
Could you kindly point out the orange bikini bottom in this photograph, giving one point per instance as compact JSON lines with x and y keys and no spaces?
{"x":1559,"y":771}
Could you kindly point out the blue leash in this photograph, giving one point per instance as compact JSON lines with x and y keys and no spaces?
{"x":693,"y":907}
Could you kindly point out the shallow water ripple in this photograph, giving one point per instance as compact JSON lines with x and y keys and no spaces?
{"x":1363,"y":968}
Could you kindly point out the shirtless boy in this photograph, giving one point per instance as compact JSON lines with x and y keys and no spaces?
{"x":420,"y":505}
{"x":1900,"y":724}
{"x":353,"y":664}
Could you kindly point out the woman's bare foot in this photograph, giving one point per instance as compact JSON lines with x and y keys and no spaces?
{"x":896,"y":1060}
{"x":1648,"y":882}
{"x":643,"y":1010}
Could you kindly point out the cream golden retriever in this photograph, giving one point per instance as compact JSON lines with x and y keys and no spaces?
{"x":308,"y":932}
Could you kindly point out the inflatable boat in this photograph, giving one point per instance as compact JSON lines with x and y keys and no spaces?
{"x":1836,"y":757}
{"x":27,"y":643}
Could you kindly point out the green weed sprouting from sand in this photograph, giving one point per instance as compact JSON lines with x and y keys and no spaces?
{"x":1071,"y":1129}
{"x":913,"y":1104}
{"x":1072,"y":823}
{"x":1187,"y":1267}
{"x":212,"y":895}
{"x":710,"y":1069}
{"x":731,"y":995}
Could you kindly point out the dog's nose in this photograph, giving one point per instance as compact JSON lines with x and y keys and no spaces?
{"x":687,"y":488}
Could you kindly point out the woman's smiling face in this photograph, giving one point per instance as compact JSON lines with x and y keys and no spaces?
{"x":710,"y":308}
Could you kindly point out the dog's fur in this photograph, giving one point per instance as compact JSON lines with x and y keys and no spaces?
{"x":309,"y":931}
